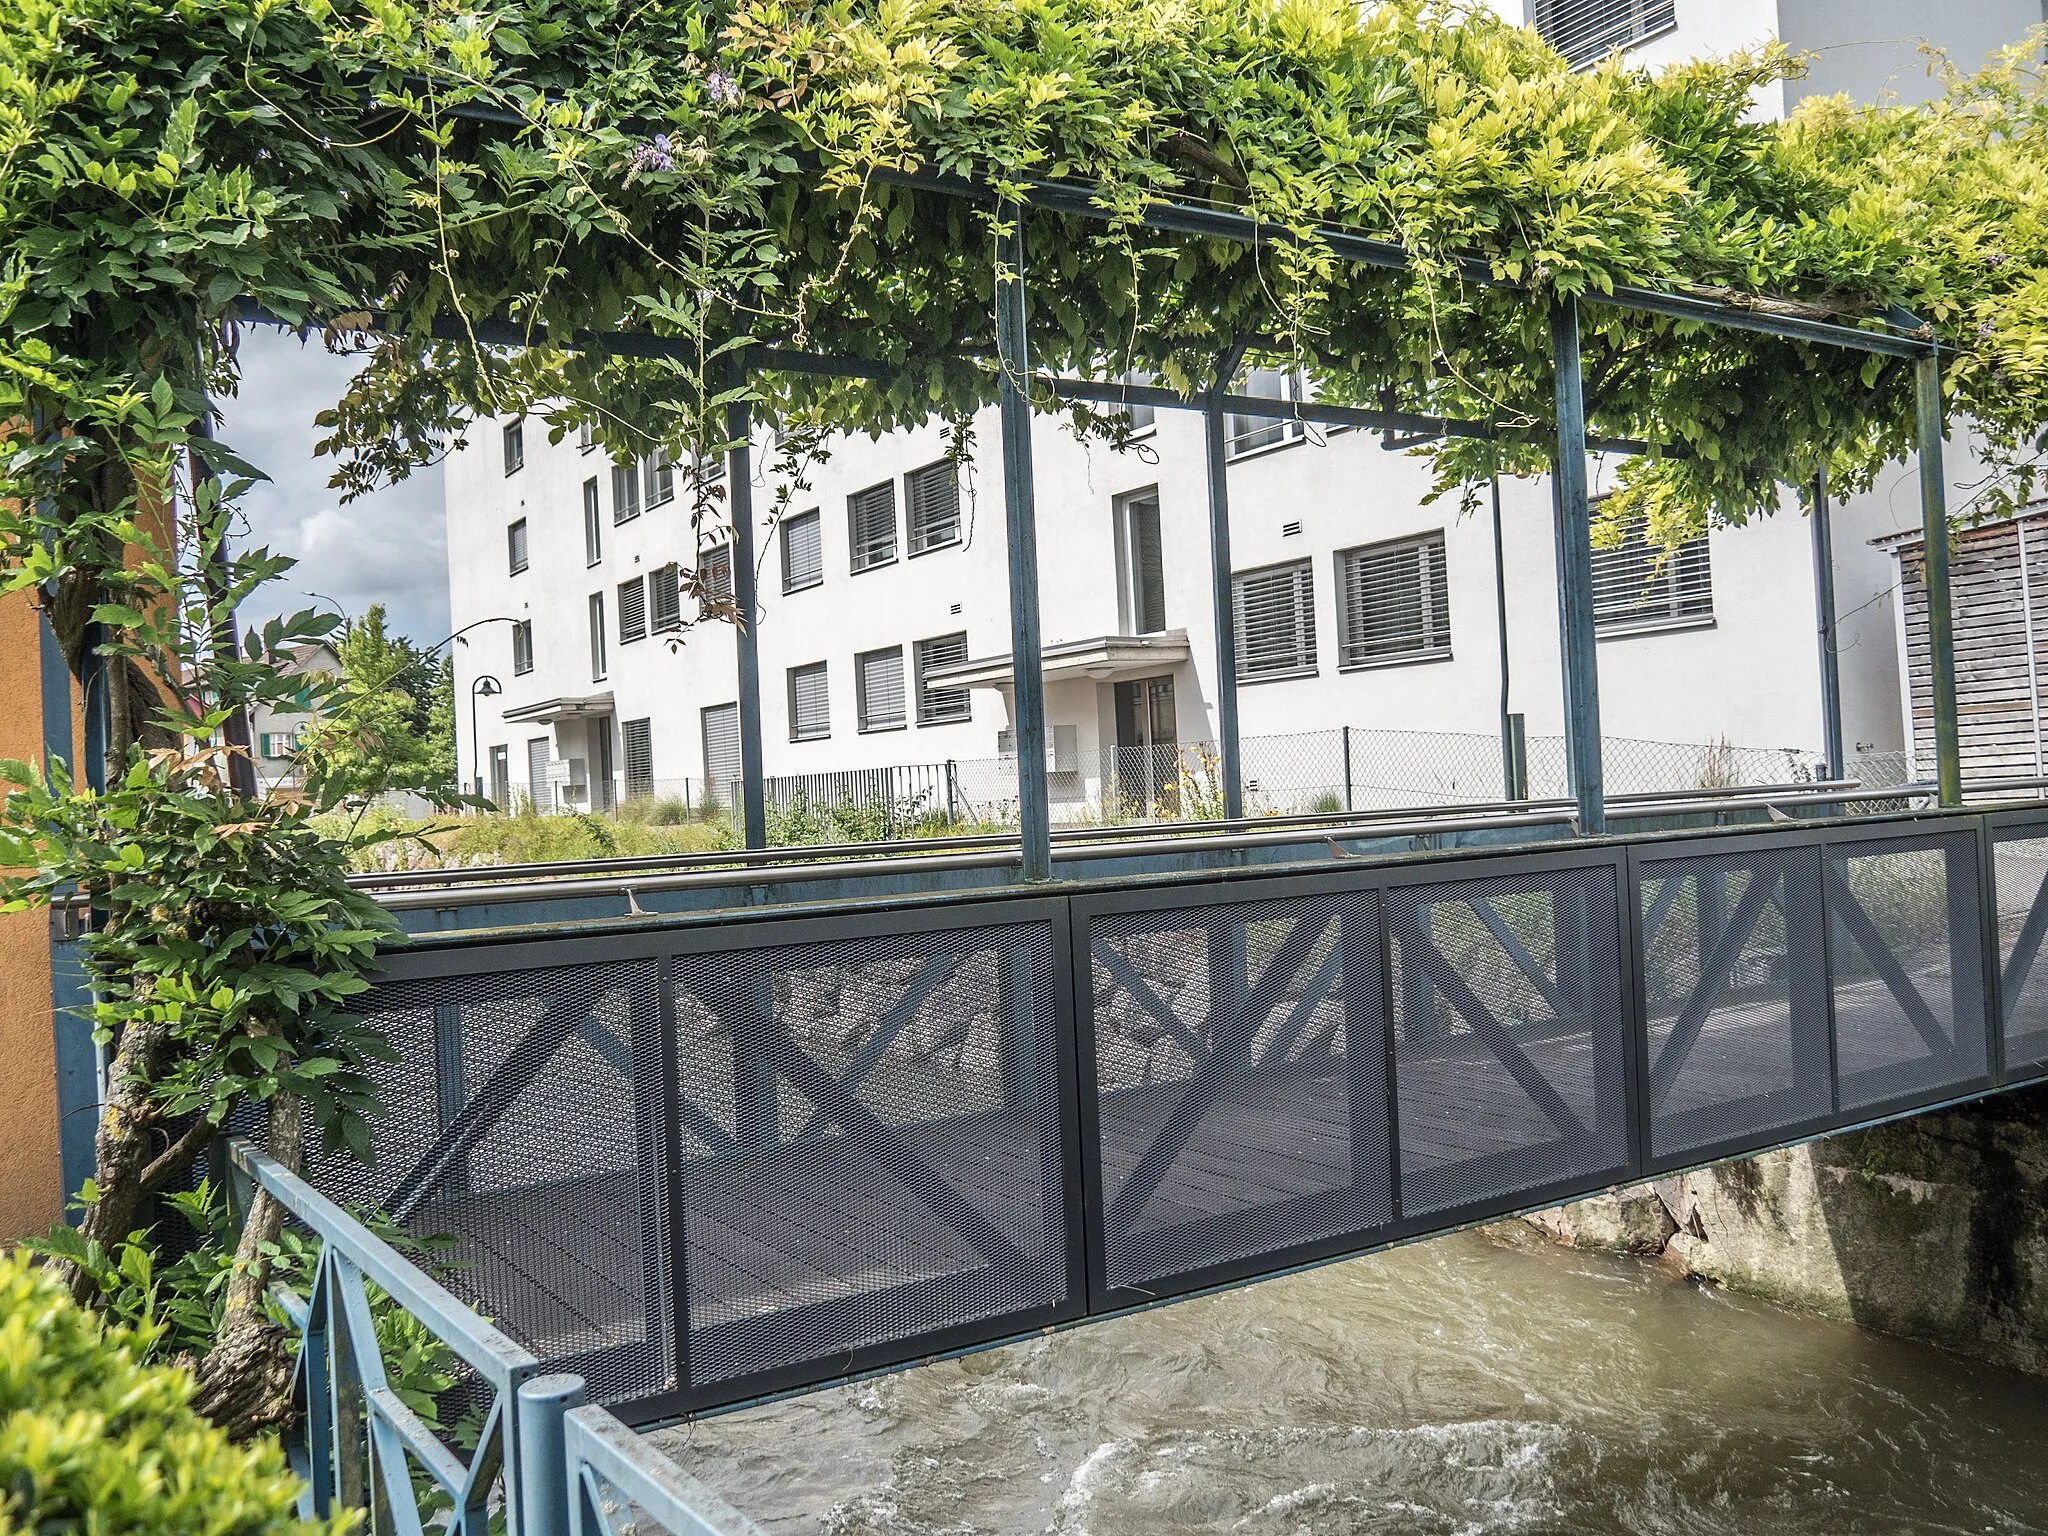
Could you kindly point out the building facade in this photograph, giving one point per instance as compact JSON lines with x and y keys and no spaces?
{"x":1370,"y":623}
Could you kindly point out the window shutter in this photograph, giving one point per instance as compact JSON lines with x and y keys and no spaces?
{"x":803,"y":552}
{"x":1585,"y":30}
{"x":625,"y":492}
{"x":871,"y":526}
{"x":1392,"y":601}
{"x":1275,"y":622}
{"x":722,"y":767}
{"x":665,"y":597}
{"x":1640,"y":583}
{"x":878,"y":682}
{"x":934,"y":496}
{"x":941,"y":706}
{"x":638,"y":736}
{"x":632,"y":610}
{"x":810,"y":707}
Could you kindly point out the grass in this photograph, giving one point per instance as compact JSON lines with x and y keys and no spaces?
{"x":524,"y":837}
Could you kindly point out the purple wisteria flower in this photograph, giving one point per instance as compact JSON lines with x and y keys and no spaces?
{"x":653,"y":155}
{"x":725,"y":91}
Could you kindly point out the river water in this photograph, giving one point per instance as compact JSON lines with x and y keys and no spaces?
{"x":1452,"y":1387}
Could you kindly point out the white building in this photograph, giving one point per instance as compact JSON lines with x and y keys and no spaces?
{"x":1364,"y":615}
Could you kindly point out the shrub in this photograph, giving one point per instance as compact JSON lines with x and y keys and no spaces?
{"x":93,"y":1439}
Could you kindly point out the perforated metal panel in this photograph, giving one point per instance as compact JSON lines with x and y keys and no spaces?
{"x":872,"y":1143}
{"x":1240,"y":1066}
{"x":1735,"y":986}
{"x":2022,"y":870}
{"x":1905,"y":968}
{"x":1509,"y":1062}
{"x":522,"y":1121}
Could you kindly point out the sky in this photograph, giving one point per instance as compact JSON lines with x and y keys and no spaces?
{"x":388,"y":548}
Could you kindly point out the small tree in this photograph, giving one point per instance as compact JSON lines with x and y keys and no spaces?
{"x":390,"y":722}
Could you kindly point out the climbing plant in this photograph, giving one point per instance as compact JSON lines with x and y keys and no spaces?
{"x":471,"y":196}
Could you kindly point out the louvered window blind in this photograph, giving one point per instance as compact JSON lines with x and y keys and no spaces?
{"x":803,"y":552}
{"x":638,"y":736}
{"x":1276,"y":622}
{"x":722,"y":749}
{"x":810,"y":706}
{"x":632,"y":610}
{"x":714,"y":574}
{"x":515,"y":546}
{"x":665,"y":597}
{"x":941,"y":706}
{"x":625,"y":492}
{"x":934,"y":496}
{"x":1391,"y":601}
{"x":1585,"y":30}
{"x":539,"y":752}
{"x":871,"y":526}
{"x":878,"y":686}
{"x":1641,"y":583}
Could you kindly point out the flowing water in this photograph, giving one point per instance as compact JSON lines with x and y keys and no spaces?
{"x":1452,"y":1387}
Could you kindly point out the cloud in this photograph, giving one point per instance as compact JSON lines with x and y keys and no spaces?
{"x":389,"y":548}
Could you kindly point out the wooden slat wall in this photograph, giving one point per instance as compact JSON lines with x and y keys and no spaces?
{"x":1994,"y":703}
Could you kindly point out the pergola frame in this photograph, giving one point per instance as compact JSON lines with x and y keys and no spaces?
{"x":1901,"y":336}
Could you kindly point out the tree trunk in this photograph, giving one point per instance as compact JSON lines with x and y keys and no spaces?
{"x":121,"y":1143}
{"x":246,"y":1378}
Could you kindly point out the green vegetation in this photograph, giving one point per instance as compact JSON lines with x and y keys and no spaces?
{"x":94,"y":1438}
{"x":389,"y":723}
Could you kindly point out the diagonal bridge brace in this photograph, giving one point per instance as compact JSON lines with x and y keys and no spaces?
{"x":2026,"y":948}
{"x":1842,"y":903}
{"x":1714,"y":973}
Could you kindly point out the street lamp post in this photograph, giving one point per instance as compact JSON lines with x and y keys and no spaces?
{"x":486,"y":687}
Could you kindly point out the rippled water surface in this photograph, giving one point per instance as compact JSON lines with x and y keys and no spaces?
{"x":1453,"y":1387}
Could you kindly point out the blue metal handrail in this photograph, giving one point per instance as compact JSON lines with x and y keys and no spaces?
{"x":356,"y":1444}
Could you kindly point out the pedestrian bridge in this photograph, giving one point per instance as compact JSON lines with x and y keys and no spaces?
{"x":707,"y":1155}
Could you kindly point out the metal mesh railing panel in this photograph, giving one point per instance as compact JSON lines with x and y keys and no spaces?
{"x":872,"y":1143}
{"x":521,"y":1121}
{"x":2022,"y":870}
{"x":1509,"y":1062}
{"x":1735,"y":983}
{"x":1905,"y":968}
{"x":1240,"y":1070}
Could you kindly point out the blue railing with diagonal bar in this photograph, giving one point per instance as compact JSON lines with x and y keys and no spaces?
{"x":548,"y":1464}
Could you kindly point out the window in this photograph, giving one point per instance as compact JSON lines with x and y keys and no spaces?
{"x":539,"y":750}
{"x":810,"y":708}
{"x":1276,"y":622}
{"x":632,"y":611}
{"x":1248,"y":434}
{"x":659,"y":472}
{"x":1140,"y":566}
{"x":878,"y":689}
{"x":522,"y":646}
{"x":710,"y":468}
{"x":597,"y":634}
{"x":714,"y":574}
{"x":1143,"y":417}
{"x":1391,"y":602}
{"x":501,"y":777}
{"x":515,"y":546}
{"x":638,"y":736}
{"x":941,"y":706}
{"x":803,"y":552}
{"x":515,"y":446}
{"x":1585,"y":30}
{"x":586,"y":438}
{"x":934,"y":497}
{"x":593,"y":524}
{"x":625,"y":492}
{"x":665,"y":597}
{"x":871,"y":526}
{"x":721,"y":749}
{"x":1638,"y":584}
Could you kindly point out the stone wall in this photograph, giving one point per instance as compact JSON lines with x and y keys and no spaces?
{"x":1933,"y":1228}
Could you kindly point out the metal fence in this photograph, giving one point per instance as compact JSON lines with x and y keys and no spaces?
{"x":702,"y":1161}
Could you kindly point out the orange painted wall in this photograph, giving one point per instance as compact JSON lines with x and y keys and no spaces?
{"x":31,"y":1180}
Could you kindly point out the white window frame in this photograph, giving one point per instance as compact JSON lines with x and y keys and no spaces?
{"x":597,"y":638}
{"x":625,"y":493}
{"x":813,"y":519}
{"x":856,"y":547}
{"x":1246,"y":436}
{"x":518,"y":552}
{"x":515,"y":446}
{"x":593,"y":524}
{"x":920,"y":540}
{"x":522,"y":647}
{"x":632,"y":610}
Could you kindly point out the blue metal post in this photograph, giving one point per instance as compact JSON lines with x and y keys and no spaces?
{"x":1575,"y":575}
{"x":1824,"y":618}
{"x":1223,"y":600}
{"x":542,"y":1403}
{"x":1941,"y":639}
{"x":739,"y":481}
{"x":1019,"y":501}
